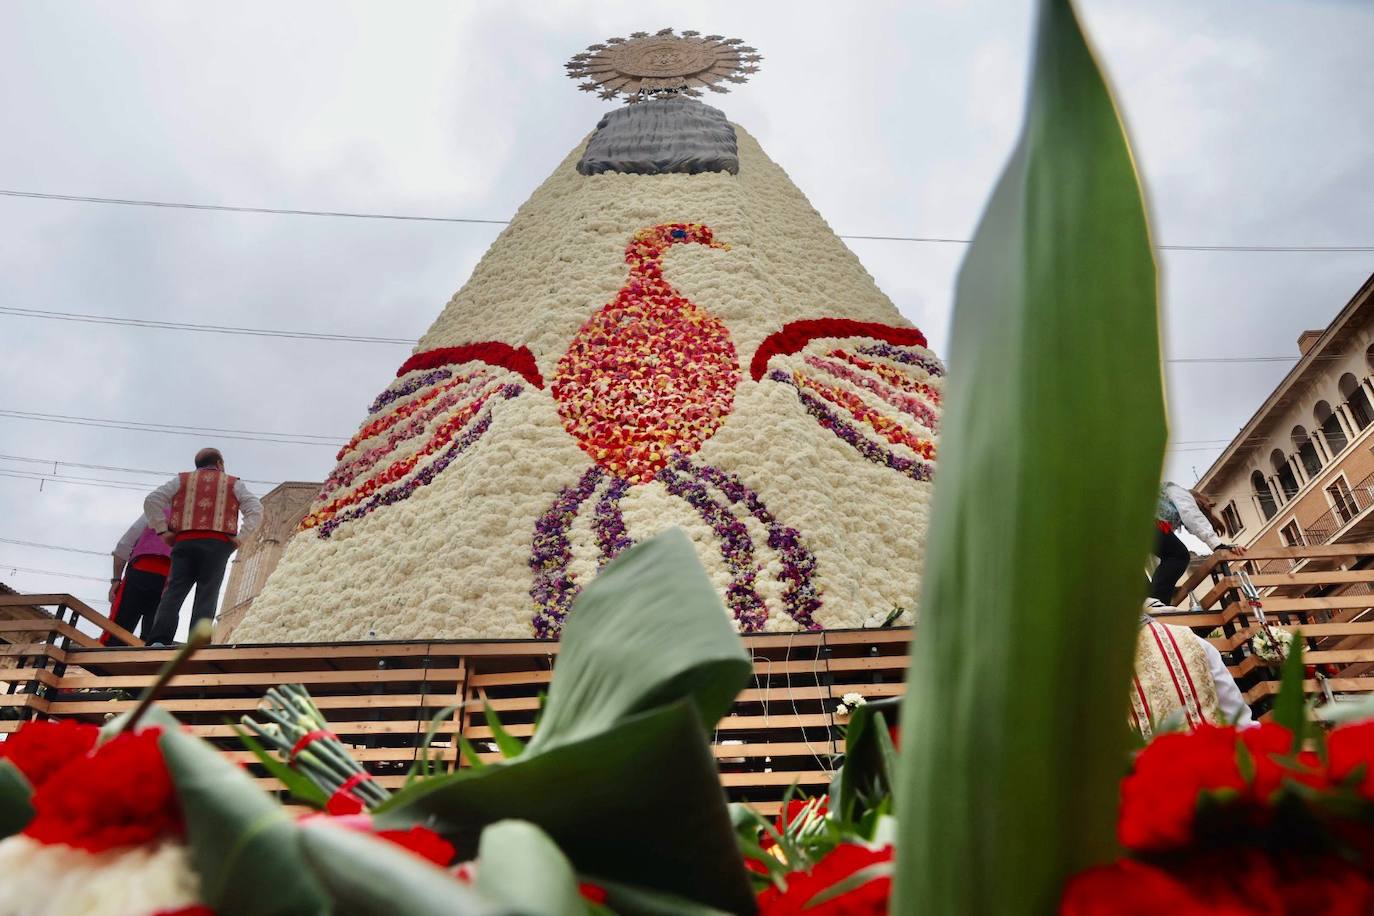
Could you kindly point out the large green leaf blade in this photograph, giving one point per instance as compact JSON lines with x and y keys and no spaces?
{"x":520,"y":866}
{"x":15,"y":809}
{"x":648,"y":630}
{"x":588,"y":795}
{"x":244,"y":845}
{"x":371,"y":877}
{"x":1014,"y":722}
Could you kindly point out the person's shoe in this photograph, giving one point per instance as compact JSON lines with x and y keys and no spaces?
{"x":157,"y":645}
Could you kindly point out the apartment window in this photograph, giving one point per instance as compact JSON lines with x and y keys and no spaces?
{"x":1291,"y":534}
{"x":1356,"y":400}
{"x":1331,"y":427}
{"x":1263,"y":495}
{"x":1283,"y":472}
{"x":1231,"y":519}
{"x":1342,"y":500}
{"x":1307,"y":452}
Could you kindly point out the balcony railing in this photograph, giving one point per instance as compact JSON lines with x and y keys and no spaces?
{"x":1321,"y":529}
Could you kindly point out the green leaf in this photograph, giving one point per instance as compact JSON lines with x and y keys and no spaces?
{"x":508,"y":745}
{"x":592,"y":797}
{"x":852,"y":882}
{"x":297,"y":784}
{"x":244,"y":845}
{"x":648,"y":662}
{"x":371,"y":877}
{"x":1290,"y":706}
{"x":869,"y":769}
{"x":1013,"y":727}
{"x":423,"y":765}
{"x":648,"y":630}
{"x":518,"y":865}
{"x":15,"y":791}
{"x":474,"y":759}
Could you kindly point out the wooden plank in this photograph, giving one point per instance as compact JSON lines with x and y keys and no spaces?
{"x":784,"y":778}
{"x":265,"y":678}
{"x":1224,"y":585}
{"x":48,"y":625}
{"x":248,"y":704}
{"x":38,"y":600}
{"x":33,"y":648}
{"x":1197,"y":576}
{"x":24,"y":701}
{"x":1306,"y":551}
{"x":728,"y":724}
{"x":272,"y":653}
{"x":25,"y":675}
{"x":1329,"y":603}
{"x":1328,"y":577}
{"x":90,"y":615}
{"x":415,"y":727}
{"x":1337,"y":685}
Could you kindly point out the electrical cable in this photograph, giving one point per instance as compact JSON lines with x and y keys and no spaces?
{"x":88,"y":318}
{"x":51,"y":572}
{"x":177,"y":430}
{"x":19,"y":543}
{"x":278,"y":211}
{"x":111,"y":467}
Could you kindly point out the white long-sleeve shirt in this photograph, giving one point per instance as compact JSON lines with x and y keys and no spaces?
{"x":1233,"y":705}
{"x":1193,"y":520}
{"x":125,"y":545}
{"x":160,"y":500}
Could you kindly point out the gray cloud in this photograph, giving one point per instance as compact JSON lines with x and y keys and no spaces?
{"x":1250,"y":123}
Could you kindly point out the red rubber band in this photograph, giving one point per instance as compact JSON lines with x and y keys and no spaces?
{"x":308,"y":738}
{"x":353,"y":781}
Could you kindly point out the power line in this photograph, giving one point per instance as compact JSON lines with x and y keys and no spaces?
{"x":174,"y":430}
{"x":51,"y":572}
{"x":80,"y":198}
{"x":78,"y":481}
{"x":355,"y":338}
{"x":110,"y":467}
{"x":133,"y":202}
{"x":204,"y":328}
{"x":17,"y":543}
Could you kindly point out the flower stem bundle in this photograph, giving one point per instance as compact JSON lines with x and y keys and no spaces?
{"x":297,"y":730}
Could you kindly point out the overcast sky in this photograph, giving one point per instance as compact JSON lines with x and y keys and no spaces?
{"x":1250,"y":120}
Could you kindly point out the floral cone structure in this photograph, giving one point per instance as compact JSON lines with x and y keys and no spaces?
{"x":634,"y":352}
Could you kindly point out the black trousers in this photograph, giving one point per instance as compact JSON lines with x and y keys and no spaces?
{"x":1173,"y":561}
{"x":138,"y":599}
{"x":198,"y":562}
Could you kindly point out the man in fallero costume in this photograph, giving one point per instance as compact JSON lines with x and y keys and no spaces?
{"x":1178,"y":671}
{"x":203,"y":530}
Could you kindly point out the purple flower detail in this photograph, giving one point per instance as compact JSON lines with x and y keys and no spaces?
{"x":916,"y":470}
{"x":609,"y":524}
{"x":426,"y":474}
{"x":800,"y":597}
{"x":410,"y":387}
{"x":907,"y":403}
{"x":554,"y":589}
{"x":901,"y":355}
{"x":736,"y":547}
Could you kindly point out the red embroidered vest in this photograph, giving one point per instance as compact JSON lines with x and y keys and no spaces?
{"x":206,"y":502}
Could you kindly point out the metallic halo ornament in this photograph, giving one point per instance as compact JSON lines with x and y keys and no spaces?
{"x":646,"y":66}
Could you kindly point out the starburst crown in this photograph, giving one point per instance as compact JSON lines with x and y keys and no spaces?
{"x":646,"y":66}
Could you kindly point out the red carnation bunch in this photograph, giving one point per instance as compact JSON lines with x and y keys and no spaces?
{"x":1213,"y":819}
{"x":119,"y":794}
{"x":40,"y":749}
{"x":868,"y":899}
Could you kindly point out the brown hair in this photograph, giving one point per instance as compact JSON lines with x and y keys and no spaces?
{"x":1208,"y":508}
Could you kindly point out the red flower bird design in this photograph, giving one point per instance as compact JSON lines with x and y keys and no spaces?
{"x":651,"y":375}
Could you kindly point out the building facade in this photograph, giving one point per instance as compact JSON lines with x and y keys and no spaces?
{"x":282,"y":510}
{"x":1301,"y":470}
